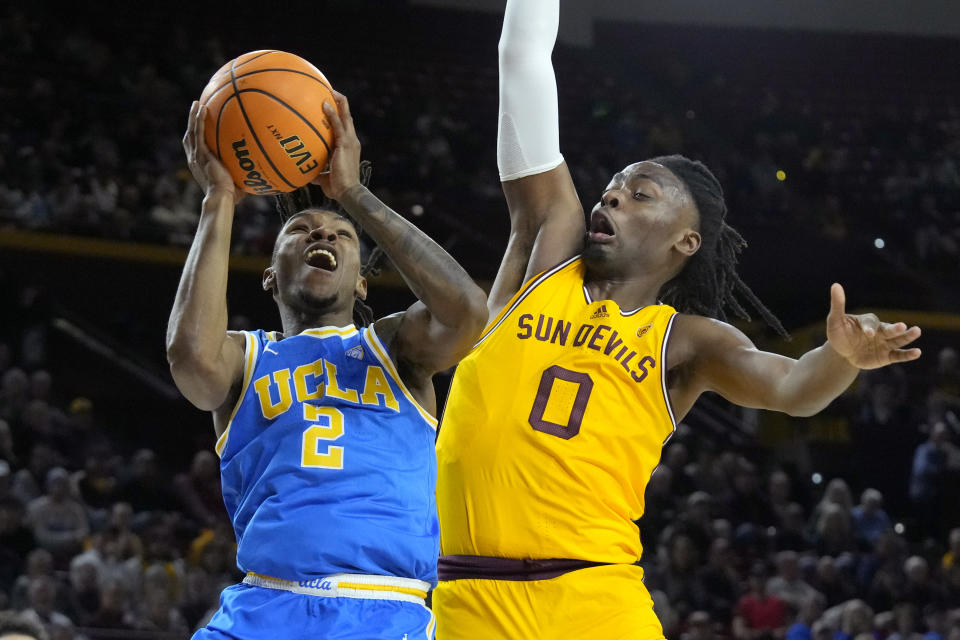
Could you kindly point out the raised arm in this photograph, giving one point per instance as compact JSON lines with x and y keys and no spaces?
{"x":206,"y":361}
{"x":546,"y":217}
{"x":443,"y":325}
{"x":709,"y":355}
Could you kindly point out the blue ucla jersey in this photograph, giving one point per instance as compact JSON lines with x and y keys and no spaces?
{"x":328,"y":462}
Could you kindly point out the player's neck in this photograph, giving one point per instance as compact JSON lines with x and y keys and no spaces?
{"x":297,"y":321}
{"x":628,"y":292}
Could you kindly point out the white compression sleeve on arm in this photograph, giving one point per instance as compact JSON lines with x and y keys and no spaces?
{"x":528,"y":131}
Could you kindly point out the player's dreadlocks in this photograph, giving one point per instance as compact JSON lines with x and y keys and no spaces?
{"x":305,"y":198}
{"x":709,"y":284}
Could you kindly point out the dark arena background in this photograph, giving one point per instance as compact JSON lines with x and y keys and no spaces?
{"x":834,"y":128}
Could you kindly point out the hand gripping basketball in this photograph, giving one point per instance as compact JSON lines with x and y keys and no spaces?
{"x":265,"y":120}
{"x":344,"y":153}
{"x":209,"y":172}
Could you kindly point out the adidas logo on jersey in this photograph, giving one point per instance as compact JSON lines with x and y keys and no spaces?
{"x":601,"y":312}
{"x":355,"y":352}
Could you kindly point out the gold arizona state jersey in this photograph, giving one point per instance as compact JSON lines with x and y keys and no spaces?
{"x":553,"y":425}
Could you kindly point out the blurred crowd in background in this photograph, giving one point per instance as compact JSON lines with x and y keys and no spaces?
{"x":101,"y":537}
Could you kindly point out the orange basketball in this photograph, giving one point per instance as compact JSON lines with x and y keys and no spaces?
{"x":265,"y":121}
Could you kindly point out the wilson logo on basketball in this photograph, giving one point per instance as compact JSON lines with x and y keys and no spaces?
{"x":254,"y":179}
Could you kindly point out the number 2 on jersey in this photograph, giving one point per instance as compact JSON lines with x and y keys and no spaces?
{"x":332,"y":458}
{"x":561,"y":402}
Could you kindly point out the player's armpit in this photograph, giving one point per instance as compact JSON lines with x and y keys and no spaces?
{"x":207,"y":382}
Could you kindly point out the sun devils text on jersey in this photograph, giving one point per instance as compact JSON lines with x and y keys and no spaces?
{"x":553,"y":425}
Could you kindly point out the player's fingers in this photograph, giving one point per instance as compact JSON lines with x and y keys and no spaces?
{"x":335,"y":122}
{"x":838,"y":299}
{"x":891,"y":330}
{"x":344,"y":105}
{"x":904,"y":338}
{"x":904,"y":355}
{"x":203,"y":152}
{"x":191,"y":123}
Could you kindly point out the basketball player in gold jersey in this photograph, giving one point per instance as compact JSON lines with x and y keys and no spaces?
{"x":600,"y":341}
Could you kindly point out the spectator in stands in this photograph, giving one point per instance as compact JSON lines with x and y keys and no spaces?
{"x":677,"y":577}
{"x":833,"y":530}
{"x":905,"y":622}
{"x":787,"y":584}
{"x":83,"y":594}
{"x":112,"y":614}
{"x":746,"y":502}
{"x":834,"y":585}
{"x":870,"y":521}
{"x":199,"y":489}
{"x":58,"y":520}
{"x":39,"y":563}
{"x":792,"y":532}
{"x":856,"y":621}
{"x":836,"y":493}
{"x":95,"y":486}
{"x":699,"y":627}
{"x":759,"y":615}
{"x":42,"y":598}
{"x":935,"y":461}
{"x":717,"y":583}
{"x":146,"y":489}
{"x":920,"y":589}
{"x":809,"y":612}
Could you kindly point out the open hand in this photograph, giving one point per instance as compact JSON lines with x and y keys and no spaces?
{"x":863,"y":340}
{"x":209,"y":172}
{"x":344,"y":153}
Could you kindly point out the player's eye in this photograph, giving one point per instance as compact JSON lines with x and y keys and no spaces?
{"x":640,"y":196}
{"x":345,"y":233}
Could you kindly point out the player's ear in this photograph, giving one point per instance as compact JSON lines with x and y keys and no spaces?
{"x":361,"y":289}
{"x":689,"y":244}
{"x":269,"y":279}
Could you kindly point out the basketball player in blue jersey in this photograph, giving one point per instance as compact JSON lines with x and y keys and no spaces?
{"x":325,"y":429}
{"x":541,"y":543}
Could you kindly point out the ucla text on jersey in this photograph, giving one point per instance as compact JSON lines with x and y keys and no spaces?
{"x":328,"y":462}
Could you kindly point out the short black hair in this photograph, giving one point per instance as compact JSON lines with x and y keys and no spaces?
{"x":709,"y":284}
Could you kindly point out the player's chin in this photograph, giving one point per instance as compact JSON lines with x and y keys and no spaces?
{"x":317,"y":299}
{"x":596,"y":252}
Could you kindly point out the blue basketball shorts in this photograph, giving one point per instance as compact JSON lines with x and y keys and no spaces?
{"x":336,"y":608}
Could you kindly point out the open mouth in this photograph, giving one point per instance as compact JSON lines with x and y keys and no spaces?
{"x":321,"y":259}
{"x":600,"y":226}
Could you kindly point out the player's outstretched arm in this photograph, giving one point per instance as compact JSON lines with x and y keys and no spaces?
{"x":442,"y":327}
{"x":205,"y":360}
{"x":546,"y":217}
{"x":713,"y":356}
